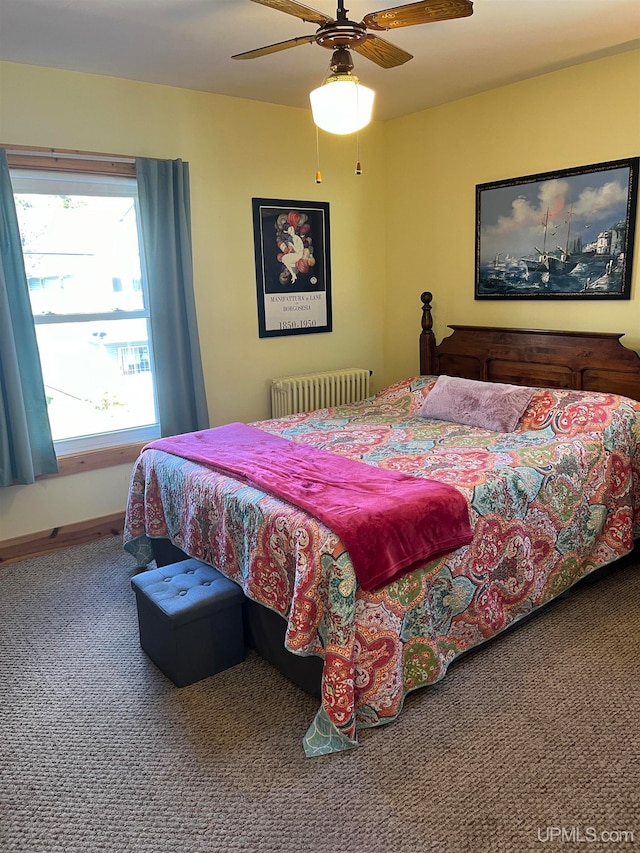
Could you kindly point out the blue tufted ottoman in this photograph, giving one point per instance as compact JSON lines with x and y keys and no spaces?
{"x":190,"y":619}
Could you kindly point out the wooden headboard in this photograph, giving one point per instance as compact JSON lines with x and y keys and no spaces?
{"x":590,"y":361}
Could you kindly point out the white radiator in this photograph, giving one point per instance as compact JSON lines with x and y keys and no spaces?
{"x":309,"y":391}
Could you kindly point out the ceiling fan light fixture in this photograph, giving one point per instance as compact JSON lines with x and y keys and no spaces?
{"x":342,"y":104}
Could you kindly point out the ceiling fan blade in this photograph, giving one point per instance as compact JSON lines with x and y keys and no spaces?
{"x":418,"y":13}
{"x":296,"y":9}
{"x":382,"y":52}
{"x":274,"y":48}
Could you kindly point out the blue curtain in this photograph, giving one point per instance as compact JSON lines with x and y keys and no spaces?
{"x":26,"y":447}
{"x":165,"y":222}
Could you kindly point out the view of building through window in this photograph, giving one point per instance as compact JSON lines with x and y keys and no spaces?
{"x":80,"y":241}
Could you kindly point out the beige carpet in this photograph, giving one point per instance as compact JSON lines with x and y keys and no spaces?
{"x":530,"y":744}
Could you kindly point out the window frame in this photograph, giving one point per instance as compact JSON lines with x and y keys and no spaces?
{"x":86,"y":163}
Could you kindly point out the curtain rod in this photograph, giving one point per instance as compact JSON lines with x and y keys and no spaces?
{"x":65,"y":160}
{"x":65,"y":153}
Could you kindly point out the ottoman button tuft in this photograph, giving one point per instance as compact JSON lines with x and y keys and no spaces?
{"x":195,"y":635}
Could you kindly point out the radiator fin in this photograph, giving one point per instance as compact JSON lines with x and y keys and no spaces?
{"x":310,"y":391}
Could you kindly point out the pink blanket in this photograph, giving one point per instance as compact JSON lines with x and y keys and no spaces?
{"x":389,"y":522}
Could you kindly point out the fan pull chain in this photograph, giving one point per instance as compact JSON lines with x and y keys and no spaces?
{"x":318,"y":172}
{"x":358,"y":169}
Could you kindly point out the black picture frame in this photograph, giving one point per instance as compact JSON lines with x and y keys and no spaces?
{"x":293,"y":266}
{"x":567,"y":234}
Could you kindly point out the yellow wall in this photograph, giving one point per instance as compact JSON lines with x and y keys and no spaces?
{"x":586,"y":114}
{"x":237,"y":150}
{"x":407,"y":225}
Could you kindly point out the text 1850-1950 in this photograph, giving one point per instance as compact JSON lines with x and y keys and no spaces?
{"x":297,"y":324}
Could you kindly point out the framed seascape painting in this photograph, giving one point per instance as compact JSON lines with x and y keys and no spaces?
{"x":559,"y":235}
{"x":293,"y":266}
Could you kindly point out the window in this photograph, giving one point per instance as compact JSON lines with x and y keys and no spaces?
{"x":88,"y":292}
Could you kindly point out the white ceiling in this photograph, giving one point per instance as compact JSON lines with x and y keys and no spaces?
{"x":189,"y":43}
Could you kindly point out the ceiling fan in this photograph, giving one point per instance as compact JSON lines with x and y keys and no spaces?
{"x":341,"y":35}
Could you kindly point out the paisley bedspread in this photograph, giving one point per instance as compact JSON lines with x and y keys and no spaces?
{"x":549,"y":503}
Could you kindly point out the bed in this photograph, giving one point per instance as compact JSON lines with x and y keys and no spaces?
{"x":550,"y":502}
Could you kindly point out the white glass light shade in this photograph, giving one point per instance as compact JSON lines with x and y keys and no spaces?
{"x":341,"y":105}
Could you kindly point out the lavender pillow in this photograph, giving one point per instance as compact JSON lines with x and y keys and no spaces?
{"x":489,"y":405}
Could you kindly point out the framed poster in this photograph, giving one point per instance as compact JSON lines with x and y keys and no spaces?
{"x":293,"y":266}
{"x":567,"y":234}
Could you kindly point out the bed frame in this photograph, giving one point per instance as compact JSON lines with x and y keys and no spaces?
{"x":594,"y":361}
{"x":587,"y":361}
